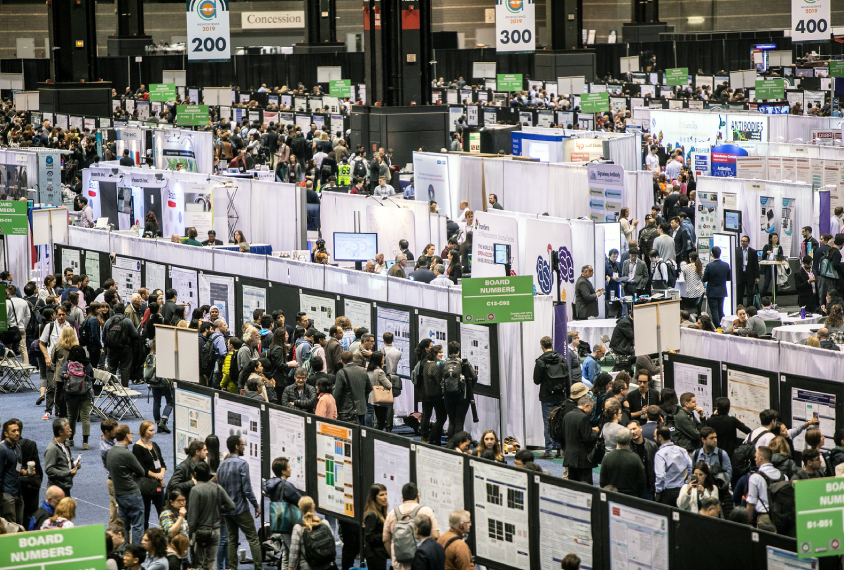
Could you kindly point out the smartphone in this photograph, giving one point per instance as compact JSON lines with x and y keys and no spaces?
{"x":79,"y":458}
{"x":694,"y":480}
{"x":814,"y":415}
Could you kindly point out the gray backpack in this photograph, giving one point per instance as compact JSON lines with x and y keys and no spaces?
{"x":404,"y":536}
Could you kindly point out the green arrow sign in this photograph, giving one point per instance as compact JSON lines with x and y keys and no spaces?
{"x":820,"y":511}
{"x":594,"y":103}
{"x":76,"y":548}
{"x":498,"y":299}
{"x":677,"y":76}
{"x":836,"y":68}
{"x":340,"y":88}
{"x":13,"y":218}
{"x":162,"y":92}
{"x":770,"y":89}
{"x":509,"y":82}
{"x":192,"y":115}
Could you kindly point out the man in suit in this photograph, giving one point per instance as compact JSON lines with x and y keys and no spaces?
{"x":430,"y":555}
{"x":580,"y":437}
{"x":636,"y":272}
{"x":682,"y":241}
{"x":585,"y":296}
{"x":748,"y":272}
{"x":804,"y":282}
{"x":212,"y":239}
{"x":169,"y":308}
{"x":126,"y":160}
{"x":716,"y":275}
{"x":809,"y":245}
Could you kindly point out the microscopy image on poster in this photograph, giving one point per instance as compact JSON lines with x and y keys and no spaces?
{"x":474,"y":347}
{"x":155,"y":276}
{"x":392,"y":469}
{"x":359,"y":312}
{"x":126,"y":273}
{"x":319,"y":309}
{"x":638,"y":539}
{"x":806,"y":404}
{"x":253,"y":298}
{"x":232,"y":418}
{"x":287,"y":439}
{"x":70,"y":258}
{"x":440,"y":480}
{"x":749,"y":394}
{"x":501,"y":503}
{"x":193,"y":420}
{"x":565,"y":525}
{"x":434,"y":329}
{"x":335,"y":469}
{"x":398,"y":323}
{"x":218,"y":290}
{"x":698,"y":381}
{"x":185,"y":283}
{"x":92,"y":269}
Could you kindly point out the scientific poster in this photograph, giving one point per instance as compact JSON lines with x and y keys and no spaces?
{"x":638,"y":539}
{"x":287,"y":439}
{"x":606,"y":192}
{"x":126,"y":273}
{"x":779,"y":559}
{"x":198,"y":213}
{"x":434,"y":329}
{"x":804,"y":405}
{"x":768,"y":217}
{"x":253,"y":298}
{"x":439,"y":477}
{"x":706,"y":217}
{"x":474,"y":347}
{"x":320,"y":309}
{"x":193,"y":420}
{"x":698,"y":381}
{"x":70,"y":258}
{"x":92,"y":269}
{"x":359,"y":312}
{"x":155,"y":276}
{"x":787,"y":224}
{"x":335,"y":469}
{"x":232,"y":418}
{"x":565,"y":525}
{"x":392,"y":469}
{"x":749,"y":394}
{"x":185,"y":283}
{"x":501,"y":503}
{"x":398,"y":323}
{"x":218,"y":290}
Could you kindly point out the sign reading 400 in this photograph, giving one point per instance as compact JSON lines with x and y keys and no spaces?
{"x":208,"y":30}
{"x":810,"y":20}
{"x":515,"y":25}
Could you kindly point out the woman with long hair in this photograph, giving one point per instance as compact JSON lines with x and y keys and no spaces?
{"x":48,"y":289}
{"x":434,"y":403}
{"x":740,"y":322}
{"x":61,"y":351}
{"x":377,"y":377}
{"x":700,"y":487}
{"x":627,"y":228}
{"x":279,"y":364}
{"x":78,"y":404}
{"x":427,"y":255}
{"x":155,"y":543}
{"x":151,"y":225}
{"x":835,"y":321}
{"x":781,"y":458}
{"x":309,"y":521}
{"x":455,"y":270}
{"x":63,"y":515}
{"x":374,"y":513}
{"x":421,"y":357}
{"x":771,"y":252}
{"x":704,"y":323}
{"x":173,"y":520}
{"x":178,"y":316}
{"x":460,"y":442}
{"x":212,"y":444}
{"x":692,"y":273}
{"x":326,"y":405}
{"x":489,"y":442}
{"x":149,"y":456}
{"x":238,"y":237}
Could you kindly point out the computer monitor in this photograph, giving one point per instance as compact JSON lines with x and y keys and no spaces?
{"x":502,"y":254}
{"x":354,"y":247}
{"x":732,"y":221}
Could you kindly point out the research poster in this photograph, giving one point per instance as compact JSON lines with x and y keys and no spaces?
{"x":434,"y":329}
{"x":430,"y":178}
{"x":287,"y":439}
{"x":92,"y":270}
{"x":184,"y":281}
{"x":155,"y":276}
{"x":218,"y":291}
{"x":606,"y":192}
{"x":359,"y":312}
{"x":253,"y":298}
{"x":335,"y":469}
{"x":751,"y":167}
{"x":706,"y":217}
{"x":474,"y":347}
{"x":565,"y":525}
{"x":501,"y":503}
{"x":193,"y":420}
{"x":319,"y":309}
{"x":70,"y":258}
{"x":233,"y":418}
{"x":491,"y":231}
{"x":697,"y":380}
{"x":392,"y":469}
{"x":779,"y":559}
{"x":787,"y":224}
{"x":806,"y":404}
{"x":749,"y":394}
{"x":126,"y":273}
{"x":439,"y":477}
{"x":638,"y":539}
{"x":398,"y":323}
{"x":768,"y":217}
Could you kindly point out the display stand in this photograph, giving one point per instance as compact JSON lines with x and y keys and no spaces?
{"x":773,"y":266}
{"x":662,"y":317}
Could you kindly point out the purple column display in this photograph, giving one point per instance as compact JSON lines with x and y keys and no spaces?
{"x":823,"y":213}
{"x":561,"y":329}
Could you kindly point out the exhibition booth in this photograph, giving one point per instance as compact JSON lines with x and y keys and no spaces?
{"x":193,"y":150}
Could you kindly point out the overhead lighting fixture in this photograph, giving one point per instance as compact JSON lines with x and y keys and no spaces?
{"x":695,"y":20}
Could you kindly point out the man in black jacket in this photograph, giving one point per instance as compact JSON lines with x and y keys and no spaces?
{"x":182,"y":478}
{"x":622,"y":340}
{"x":30,"y":484}
{"x":457,"y":404}
{"x":622,"y":468}
{"x":645,"y":449}
{"x":580,"y":438}
{"x":126,"y":160}
{"x":121,"y":353}
{"x":350,"y":390}
{"x":550,"y":373}
{"x":169,"y":308}
{"x":747,"y":270}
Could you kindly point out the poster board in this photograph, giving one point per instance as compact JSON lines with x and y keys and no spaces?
{"x":696,"y":375}
{"x":338,"y":489}
{"x":750,"y":391}
{"x":794,"y":407}
{"x":234,"y":415}
{"x":667,"y":314}
{"x":193,"y":412}
{"x":392,"y":463}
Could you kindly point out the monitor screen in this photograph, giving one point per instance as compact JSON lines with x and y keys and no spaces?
{"x":732,"y":221}
{"x":354,"y":247}
{"x":502,"y":254}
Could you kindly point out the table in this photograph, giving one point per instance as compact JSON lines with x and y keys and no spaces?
{"x":773,"y":266}
{"x":727,"y":321}
{"x":259,"y":248}
{"x":591,"y":330}
{"x":794,"y":333}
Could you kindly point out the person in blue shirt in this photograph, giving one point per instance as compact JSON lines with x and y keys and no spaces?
{"x":711,"y":454}
{"x":409,"y":192}
{"x":233,"y":477}
{"x":591,"y":368}
{"x":671,"y":468}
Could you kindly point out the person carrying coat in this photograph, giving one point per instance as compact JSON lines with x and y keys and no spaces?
{"x":580,"y":438}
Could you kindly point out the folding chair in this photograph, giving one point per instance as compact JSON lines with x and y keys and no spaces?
{"x":117,"y":401}
{"x":14,"y":374}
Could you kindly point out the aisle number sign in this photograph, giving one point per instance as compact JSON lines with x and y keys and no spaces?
{"x":594,"y":103}
{"x":515,"y":25}
{"x":509,"y":82}
{"x":162,"y":92}
{"x":340,"y":88}
{"x":770,"y":89}
{"x":820,"y":514}
{"x":192,"y":115}
{"x":498,"y":299}
{"x":13,"y":218}
{"x":678,"y":76}
{"x":810,"y":20}
{"x":209,"y":38}
{"x":60,"y":549}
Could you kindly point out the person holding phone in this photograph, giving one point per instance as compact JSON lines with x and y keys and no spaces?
{"x":701,"y":486}
{"x":58,"y":463}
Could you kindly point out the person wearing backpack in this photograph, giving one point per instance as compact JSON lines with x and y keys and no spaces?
{"x":716,"y":458}
{"x":233,"y":477}
{"x":400,"y":529}
{"x":77,"y":376}
{"x":458,"y":381}
{"x":312,"y":544}
{"x":551,"y":374}
{"x":767,"y":494}
{"x":281,"y":492}
{"x":661,"y":272}
{"x":119,"y":337}
{"x":434,"y":402}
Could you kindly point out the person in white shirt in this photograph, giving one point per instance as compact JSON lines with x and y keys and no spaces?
{"x":757,"y":485}
{"x":18,"y":315}
{"x":672,"y":168}
{"x":652,"y":160}
{"x":767,"y":312}
{"x":659,"y":272}
{"x":768,"y":418}
{"x":464,"y":207}
{"x":440,"y":278}
{"x":383,"y":189}
{"x":836,"y":221}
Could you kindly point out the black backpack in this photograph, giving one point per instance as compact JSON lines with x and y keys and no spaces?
{"x":671,"y":273}
{"x":780,"y":502}
{"x":360,"y":170}
{"x":320,"y":548}
{"x":744,"y":454}
{"x":557,"y":377}
{"x":556,"y":428}
{"x":208,"y":356}
{"x":115,"y":337}
{"x":451,"y":379}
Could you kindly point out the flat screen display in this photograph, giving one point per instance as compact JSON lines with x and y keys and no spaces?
{"x":732,"y":221}
{"x":354,"y":247}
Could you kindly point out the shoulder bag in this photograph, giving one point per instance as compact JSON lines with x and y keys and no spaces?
{"x":596,"y":455}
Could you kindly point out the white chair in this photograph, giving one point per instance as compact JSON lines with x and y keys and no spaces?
{"x":14,"y":374}
{"x":115,"y":400}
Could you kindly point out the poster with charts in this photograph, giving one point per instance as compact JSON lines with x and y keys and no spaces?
{"x":126,"y":273}
{"x":698,"y":381}
{"x":501,"y":503}
{"x":392,"y":469}
{"x":439,"y":477}
{"x":434,"y":329}
{"x":253,"y":298}
{"x":804,"y":405}
{"x":156,"y":273}
{"x":193,"y":420}
{"x":70,"y":259}
{"x":638,"y":539}
{"x":92,"y":269}
{"x":474,"y":347}
{"x":321,"y":310}
{"x":335,"y":469}
{"x":398,"y":323}
{"x":218,"y":290}
{"x":185,"y":283}
{"x":565,"y":525}
{"x":233,"y":418}
{"x":287,"y":439}
{"x":749,"y":394}
{"x":779,"y":559}
{"x":359,"y":312}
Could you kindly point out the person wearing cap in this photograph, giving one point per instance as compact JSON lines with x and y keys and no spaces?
{"x":577,"y":391}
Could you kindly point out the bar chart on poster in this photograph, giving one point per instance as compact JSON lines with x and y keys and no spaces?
{"x":335,"y":469}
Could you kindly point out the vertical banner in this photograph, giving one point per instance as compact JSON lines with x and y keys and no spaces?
{"x":706,"y":217}
{"x":542,"y":238}
{"x":823,"y":212}
{"x":49,"y":178}
{"x":768,"y":218}
{"x":810,"y":20}
{"x":491,"y":230}
{"x":561,"y":329}
{"x":208,"y":30}
{"x":606,"y":192}
{"x":515,"y":26}
{"x":787,"y":224}
{"x":430,"y":177}
{"x":700,"y":161}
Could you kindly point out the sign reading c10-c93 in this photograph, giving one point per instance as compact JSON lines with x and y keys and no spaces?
{"x":209,"y":38}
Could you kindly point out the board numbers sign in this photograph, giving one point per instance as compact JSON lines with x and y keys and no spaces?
{"x":810,"y":20}
{"x":515,"y":25}
{"x":509,"y":82}
{"x":836,"y":68}
{"x":13,"y":218}
{"x":340,"y":88}
{"x":162,"y":92}
{"x":498,"y":299}
{"x":209,"y":38}
{"x":192,"y":115}
{"x":594,"y":103}
{"x":819,"y":506}
{"x":678,"y":76}
{"x":770,"y":89}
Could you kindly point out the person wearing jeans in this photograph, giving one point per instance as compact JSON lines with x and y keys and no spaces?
{"x":233,"y":477}
{"x":161,"y":390}
{"x":124,"y":470}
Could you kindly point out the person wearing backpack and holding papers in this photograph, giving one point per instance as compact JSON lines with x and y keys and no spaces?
{"x":284,"y":505}
{"x":78,"y":378}
{"x":767,"y":497}
{"x":551,"y":374}
{"x":458,"y":381}
{"x":400,"y":530}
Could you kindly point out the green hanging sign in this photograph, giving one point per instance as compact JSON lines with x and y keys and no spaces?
{"x":594,"y":103}
{"x":192,"y":115}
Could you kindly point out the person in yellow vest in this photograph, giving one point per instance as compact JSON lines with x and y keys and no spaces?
{"x":344,"y":173}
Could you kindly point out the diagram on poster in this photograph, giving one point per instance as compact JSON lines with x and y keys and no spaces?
{"x":319,"y":309}
{"x":697,"y":380}
{"x":565,"y":525}
{"x":434,"y":329}
{"x":805,"y":404}
{"x":392,"y":469}
{"x":787,"y":224}
{"x":398,"y":323}
{"x":126,"y":273}
{"x":779,"y":559}
{"x":335,"y":469}
{"x":232,"y":418}
{"x":439,"y":477}
{"x":767,"y":218}
{"x":193,"y":420}
{"x":359,"y":312}
{"x":474,"y":347}
{"x":185,"y":283}
{"x":92,"y":269}
{"x":253,"y":298}
{"x":287,"y":439}
{"x":749,"y":394}
{"x":156,"y":273}
{"x":219,"y":291}
{"x":70,"y":259}
{"x":638,"y":539}
{"x":501,"y":503}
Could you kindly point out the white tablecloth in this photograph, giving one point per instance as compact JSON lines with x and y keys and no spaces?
{"x":727,"y":322}
{"x":794,"y":333}
{"x":591,"y":330}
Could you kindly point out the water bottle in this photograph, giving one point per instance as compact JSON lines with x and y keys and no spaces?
{"x":802,"y":312}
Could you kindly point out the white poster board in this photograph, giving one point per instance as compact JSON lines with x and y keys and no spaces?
{"x":667,"y":315}
{"x":335,"y":469}
{"x":749,"y":394}
{"x":193,"y":419}
{"x":501,"y":504}
{"x":287,"y":439}
{"x":234,"y":418}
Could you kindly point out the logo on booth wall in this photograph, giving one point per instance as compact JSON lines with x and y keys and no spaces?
{"x":544,"y":275}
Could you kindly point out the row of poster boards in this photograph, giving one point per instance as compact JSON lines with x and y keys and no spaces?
{"x":520,"y":520}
